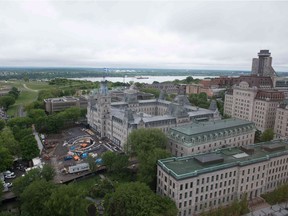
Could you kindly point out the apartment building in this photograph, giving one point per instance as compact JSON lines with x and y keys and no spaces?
{"x":201,"y":182}
{"x":59,"y":104}
{"x":252,"y":103}
{"x":208,"y":136}
{"x":281,"y":122}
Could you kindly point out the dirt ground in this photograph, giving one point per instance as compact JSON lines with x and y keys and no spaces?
{"x":57,"y":146}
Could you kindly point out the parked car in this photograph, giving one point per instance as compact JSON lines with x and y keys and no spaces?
{"x":69,"y":157}
{"x":10,"y":176}
{"x":7,"y":184}
{"x":8,"y":172}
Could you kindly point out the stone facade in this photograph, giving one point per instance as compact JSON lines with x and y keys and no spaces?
{"x":202,"y":182}
{"x":115,"y":120}
{"x":253,"y":104}
{"x":208,"y":136}
{"x":59,"y":104}
{"x":281,"y":122}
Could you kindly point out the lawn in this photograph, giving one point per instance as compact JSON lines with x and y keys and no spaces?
{"x":26,"y":97}
{"x":29,"y":92}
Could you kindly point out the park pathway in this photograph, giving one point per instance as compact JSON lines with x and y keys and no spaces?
{"x":29,"y":89}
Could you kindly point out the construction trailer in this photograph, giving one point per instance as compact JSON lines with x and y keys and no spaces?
{"x":78,"y":168}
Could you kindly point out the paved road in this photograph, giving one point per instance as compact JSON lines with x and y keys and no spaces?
{"x":39,"y":143}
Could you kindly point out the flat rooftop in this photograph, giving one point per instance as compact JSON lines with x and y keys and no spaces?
{"x":194,"y":165}
{"x":203,"y":127}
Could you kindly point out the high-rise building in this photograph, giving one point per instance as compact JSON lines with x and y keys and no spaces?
{"x":281,"y":121}
{"x":253,"y":104}
{"x":262,"y":66}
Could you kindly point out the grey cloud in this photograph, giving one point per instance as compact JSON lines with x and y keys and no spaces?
{"x":142,"y":34}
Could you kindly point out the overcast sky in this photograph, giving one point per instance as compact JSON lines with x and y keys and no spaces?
{"x":175,"y":34}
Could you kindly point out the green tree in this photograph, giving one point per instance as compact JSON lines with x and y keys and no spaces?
{"x":92,"y":163}
{"x":22,"y":182}
{"x":72,"y":113}
{"x":6,"y":159}
{"x":67,"y":200}
{"x":35,"y":114}
{"x":108,"y":159}
{"x":14,"y":92}
{"x":6,"y":101}
{"x":48,"y":172}
{"x":34,"y":197}
{"x":145,"y":139}
{"x":35,"y":105}
{"x":2,"y":124}
{"x":267,"y":135}
{"x":135,"y":199}
{"x":54,"y":123}
{"x":153,"y":91}
{"x":8,"y":141}
{"x":19,"y":133}
{"x":103,"y":187}
{"x":21,"y":122}
{"x":51,"y":93}
{"x":199,"y":100}
{"x":115,"y":162}
{"x":29,"y":147}
{"x":147,"y":169}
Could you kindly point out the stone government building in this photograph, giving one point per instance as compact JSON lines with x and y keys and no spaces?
{"x":115,"y":120}
{"x":208,"y":136}
{"x":205,"y":181}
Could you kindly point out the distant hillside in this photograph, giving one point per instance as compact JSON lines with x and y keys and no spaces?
{"x":50,"y":73}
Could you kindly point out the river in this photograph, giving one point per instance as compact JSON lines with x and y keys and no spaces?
{"x":150,"y":79}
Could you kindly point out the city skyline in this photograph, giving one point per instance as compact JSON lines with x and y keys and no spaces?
{"x":185,"y":35}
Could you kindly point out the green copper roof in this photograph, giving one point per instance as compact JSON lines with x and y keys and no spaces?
{"x":190,"y":166}
{"x":210,"y":126}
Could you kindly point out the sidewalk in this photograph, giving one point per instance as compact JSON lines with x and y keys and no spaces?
{"x":275,"y":210}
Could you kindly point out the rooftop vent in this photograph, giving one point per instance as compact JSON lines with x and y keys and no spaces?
{"x":274,"y":147}
{"x":209,"y":158}
{"x":247,"y":149}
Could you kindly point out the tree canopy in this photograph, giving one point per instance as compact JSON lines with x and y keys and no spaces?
{"x":135,"y":199}
{"x":34,"y":198}
{"x":145,"y":140}
{"x":115,"y":162}
{"x":149,"y":145}
{"x":6,"y":101}
{"x":199,"y":100}
{"x":67,"y":200}
{"x":6,"y":159}
{"x":29,"y":147}
{"x":267,"y":135}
